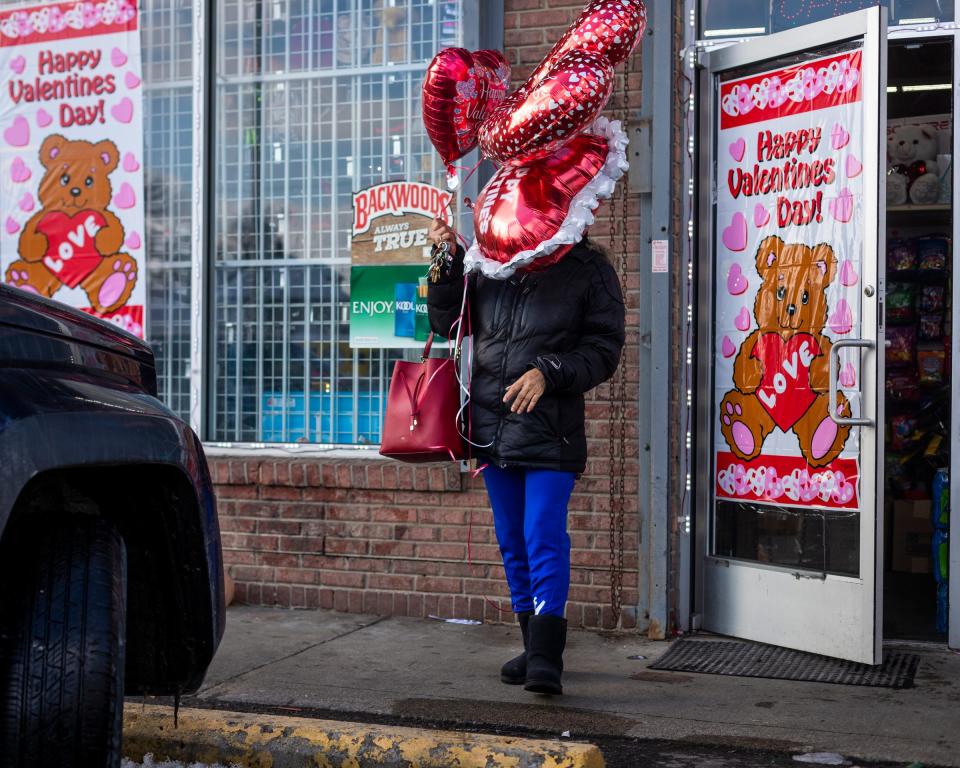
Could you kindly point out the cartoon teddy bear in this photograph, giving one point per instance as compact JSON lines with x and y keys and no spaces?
{"x":913,"y":172}
{"x":74,"y":239}
{"x":781,"y":373}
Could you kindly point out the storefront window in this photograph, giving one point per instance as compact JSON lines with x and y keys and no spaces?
{"x":739,"y":18}
{"x":314,"y":99}
{"x":168,"y":188}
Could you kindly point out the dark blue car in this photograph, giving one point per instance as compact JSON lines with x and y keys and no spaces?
{"x":111,"y":576}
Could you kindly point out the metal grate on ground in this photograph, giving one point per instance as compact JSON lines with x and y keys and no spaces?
{"x":741,"y":658}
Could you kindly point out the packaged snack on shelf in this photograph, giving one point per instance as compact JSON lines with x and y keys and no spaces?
{"x":933,"y":298}
{"x":895,"y":468}
{"x":934,"y":447}
{"x":941,"y":498}
{"x":931,"y":365}
{"x":931,"y":327}
{"x":933,"y":253}
{"x":903,"y":385}
{"x":900,"y":301}
{"x":901,"y":255}
{"x":902,"y":428}
{"x":901,"y":345}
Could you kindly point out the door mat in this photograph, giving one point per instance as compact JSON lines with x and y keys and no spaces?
{"x":741,"y":658}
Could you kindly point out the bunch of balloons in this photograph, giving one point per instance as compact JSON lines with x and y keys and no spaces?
{"x":558,"y":158}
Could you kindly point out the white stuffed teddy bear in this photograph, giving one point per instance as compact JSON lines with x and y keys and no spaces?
{"x":909,"y":145}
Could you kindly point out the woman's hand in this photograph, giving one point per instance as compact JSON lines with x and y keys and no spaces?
{"x":525,"y":391}
{"x":441,"y":232}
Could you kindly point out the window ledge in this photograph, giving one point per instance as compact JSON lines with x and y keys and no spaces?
{"x":290,"y":451}
{"x":335,"y":467}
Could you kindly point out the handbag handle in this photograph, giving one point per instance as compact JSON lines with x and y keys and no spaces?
{"x":426,"y":348}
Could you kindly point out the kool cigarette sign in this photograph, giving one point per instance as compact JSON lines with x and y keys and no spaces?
{"x":71,"y":165}
{"x":390,"y":254}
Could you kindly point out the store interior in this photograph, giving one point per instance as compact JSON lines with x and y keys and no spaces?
{"x":918,"y":323}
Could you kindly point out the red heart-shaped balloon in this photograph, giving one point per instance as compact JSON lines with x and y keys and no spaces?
{"x":532,"y":124}
{"x":459,"y":90}
{"x":530,"y":215}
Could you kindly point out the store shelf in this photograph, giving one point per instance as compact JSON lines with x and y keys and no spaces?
{"x":919,"y":214}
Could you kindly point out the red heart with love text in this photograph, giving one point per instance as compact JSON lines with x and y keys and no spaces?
{"x":784,"y":390}
{"x":71,"y":252}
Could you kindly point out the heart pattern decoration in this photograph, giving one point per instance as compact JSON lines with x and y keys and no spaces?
{"x":532,"y":124}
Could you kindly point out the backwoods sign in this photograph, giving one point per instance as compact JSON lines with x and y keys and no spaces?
{"x":390,"y":221}
{"x":390,"y":255}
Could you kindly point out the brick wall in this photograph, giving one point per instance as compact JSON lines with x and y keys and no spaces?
{"x":379,"y":537}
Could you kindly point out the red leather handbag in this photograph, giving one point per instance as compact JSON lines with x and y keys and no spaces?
{"x":423,"y":418}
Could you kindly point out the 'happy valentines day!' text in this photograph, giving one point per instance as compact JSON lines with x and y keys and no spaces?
{"x":797,"y":168}
{"x":64,"y":76}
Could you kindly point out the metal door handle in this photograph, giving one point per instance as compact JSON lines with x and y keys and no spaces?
{"x":834,"y":374}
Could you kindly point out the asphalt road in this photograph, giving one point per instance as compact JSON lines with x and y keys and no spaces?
{"x":637,"y":753}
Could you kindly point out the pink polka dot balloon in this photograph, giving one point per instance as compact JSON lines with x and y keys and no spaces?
{"x":531,"y":124}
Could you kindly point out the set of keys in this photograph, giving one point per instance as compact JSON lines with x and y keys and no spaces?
{"x":441,"y":258}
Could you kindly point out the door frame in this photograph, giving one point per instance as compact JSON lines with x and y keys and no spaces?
{"x":941,"y":32}
{"x":871,"y":24}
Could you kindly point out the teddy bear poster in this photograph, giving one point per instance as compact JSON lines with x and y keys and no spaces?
{"x":71,"y":156}
{"x":789,"y":259}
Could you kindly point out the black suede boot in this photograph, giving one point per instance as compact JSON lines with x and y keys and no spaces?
{"x":514,"y":672}
{"x":547,"y":639}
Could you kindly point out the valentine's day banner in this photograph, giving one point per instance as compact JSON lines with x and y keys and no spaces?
{"x":390,"y":255}
{"x":71,"y":143}
{"x":788,"y":250}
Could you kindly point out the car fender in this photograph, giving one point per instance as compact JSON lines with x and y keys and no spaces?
{"x":49,"y":422}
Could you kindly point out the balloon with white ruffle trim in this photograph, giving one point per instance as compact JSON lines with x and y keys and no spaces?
{"x":530,"y":216}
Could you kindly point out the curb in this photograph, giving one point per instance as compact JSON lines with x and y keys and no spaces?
{"x":259,"y":741}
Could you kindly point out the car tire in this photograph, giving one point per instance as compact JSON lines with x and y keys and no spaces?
{"x":62,"y":646}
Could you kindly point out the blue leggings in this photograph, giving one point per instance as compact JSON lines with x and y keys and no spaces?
{"x":530,"y":517}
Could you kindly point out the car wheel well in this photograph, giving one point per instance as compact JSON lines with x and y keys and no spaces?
{"x":157,"y":513}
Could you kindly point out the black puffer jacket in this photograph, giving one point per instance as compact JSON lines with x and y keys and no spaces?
{"x":568,"y":321}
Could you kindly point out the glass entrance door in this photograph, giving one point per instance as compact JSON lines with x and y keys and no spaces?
{"x":789,"y":536}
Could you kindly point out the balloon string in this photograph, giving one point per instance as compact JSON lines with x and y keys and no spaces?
{"x":452,"y":170}
{"x":467,"y":381}
{"x":472,"y":170}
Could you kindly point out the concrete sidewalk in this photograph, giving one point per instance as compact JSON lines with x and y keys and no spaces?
{"x":415,"y":671}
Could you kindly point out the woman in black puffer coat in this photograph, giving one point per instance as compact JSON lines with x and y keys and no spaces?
{"x":541,"y":339}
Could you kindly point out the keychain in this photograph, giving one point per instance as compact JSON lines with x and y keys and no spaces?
{"x":441,"y":257}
